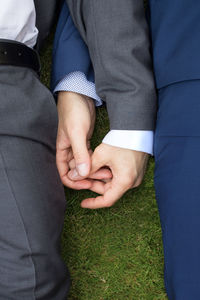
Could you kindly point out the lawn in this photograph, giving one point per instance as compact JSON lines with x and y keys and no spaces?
{"x":114,"y":253}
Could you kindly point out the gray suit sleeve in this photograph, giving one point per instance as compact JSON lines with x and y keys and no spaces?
{"x":117,"y":36}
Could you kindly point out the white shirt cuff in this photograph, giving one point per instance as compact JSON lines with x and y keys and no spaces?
{"x":139,"y":140}
{"x":77,"y":82}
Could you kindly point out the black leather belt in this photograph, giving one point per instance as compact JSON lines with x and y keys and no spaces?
{"x":18,"y":54}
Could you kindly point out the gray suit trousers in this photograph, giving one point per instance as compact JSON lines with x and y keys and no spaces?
{"x":32,"y":199}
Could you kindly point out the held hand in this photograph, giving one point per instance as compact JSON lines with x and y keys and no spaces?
{"x":127,"y":167}
{"x":76,"y":115}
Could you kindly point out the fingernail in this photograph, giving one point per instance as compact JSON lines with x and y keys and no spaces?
{"x":74,"y":174}
{"x":82,"y":169}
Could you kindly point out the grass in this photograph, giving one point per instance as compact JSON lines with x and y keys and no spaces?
{"x":115,"y":253}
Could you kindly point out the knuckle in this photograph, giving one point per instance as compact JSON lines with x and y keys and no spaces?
{"x":109,"y":204}
{"x":127,"y":182}
{"x":77,"y":155}
{"x":98,"y":152}
{"x":136,"y":185}
{"x":138,"y":182}
{"x":63,"y":181}
{"x":97,"y":156}
{"x":130,"y":182}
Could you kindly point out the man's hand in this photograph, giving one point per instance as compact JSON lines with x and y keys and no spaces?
{"x":76,"y":115}
{"x":127,"y":167}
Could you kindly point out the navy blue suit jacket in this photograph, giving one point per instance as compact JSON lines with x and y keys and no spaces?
{"x":175,"y":32}
{"x":70,"y":53}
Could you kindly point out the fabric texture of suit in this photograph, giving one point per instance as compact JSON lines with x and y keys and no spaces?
{"x":121,"y":59}
{"x":44,"y":20}
{"x":175,"y":27}
{"x":176,"y":150}
{"x":70,"y":53}
{"x":32,"y":196}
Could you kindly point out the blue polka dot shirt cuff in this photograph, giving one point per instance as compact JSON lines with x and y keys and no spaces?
{"x":77,"y":82}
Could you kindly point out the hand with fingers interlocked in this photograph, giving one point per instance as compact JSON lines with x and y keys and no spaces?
{"x":109,"y":171}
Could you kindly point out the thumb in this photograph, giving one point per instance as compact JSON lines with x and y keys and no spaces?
{"x":98,"y":159}
{"x":81,"y":154}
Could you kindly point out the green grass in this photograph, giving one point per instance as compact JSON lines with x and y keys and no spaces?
{"x":115,"y":253}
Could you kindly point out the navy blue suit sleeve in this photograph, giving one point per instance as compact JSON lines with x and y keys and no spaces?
{"x":70,"y":52}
